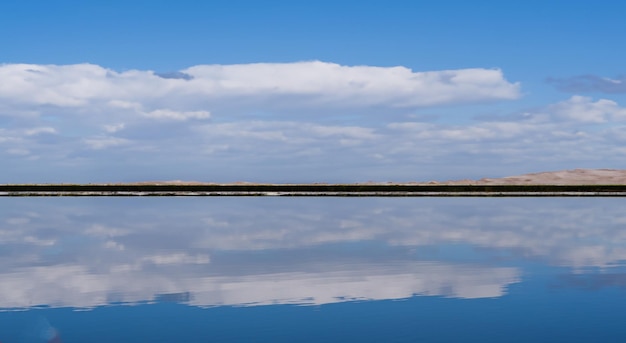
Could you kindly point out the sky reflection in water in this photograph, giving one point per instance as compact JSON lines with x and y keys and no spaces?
{"x":372,"y":269}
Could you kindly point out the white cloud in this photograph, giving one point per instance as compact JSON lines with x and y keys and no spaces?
{"x":40,"y":130}
{"x":99,"y":230}
{"x":120,"y":104}
{"x":104,"y":142}
{"x":584,"y":109}
{"x":352,"y":86}
{"x":114,"y":127}
{"x":18,"y":151}
{"x":288,"y":122}
{"x":177,"y":115}
{"x":318,"y":83}
{"x":18,"y":221}
{"x":294,"y":133}
{"x":177,"y":258}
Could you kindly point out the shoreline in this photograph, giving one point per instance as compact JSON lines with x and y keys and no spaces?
{"x":347,"y":190}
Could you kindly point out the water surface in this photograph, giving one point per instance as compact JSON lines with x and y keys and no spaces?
{"x":312,"y":269}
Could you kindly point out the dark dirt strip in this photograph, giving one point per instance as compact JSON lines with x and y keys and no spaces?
{"x":307,"y":190}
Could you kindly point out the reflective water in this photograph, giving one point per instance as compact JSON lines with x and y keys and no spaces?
{"x":312,"y":269}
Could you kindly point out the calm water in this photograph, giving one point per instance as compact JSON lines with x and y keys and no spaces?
{"x":312,"y":269}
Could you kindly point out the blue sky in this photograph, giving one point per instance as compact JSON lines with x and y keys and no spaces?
{"x":294,"y":91}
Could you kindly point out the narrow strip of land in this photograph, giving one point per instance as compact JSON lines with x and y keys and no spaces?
{"x":355,"y":190}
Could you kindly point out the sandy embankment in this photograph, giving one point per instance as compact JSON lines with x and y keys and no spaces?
{"x":564,"y":177}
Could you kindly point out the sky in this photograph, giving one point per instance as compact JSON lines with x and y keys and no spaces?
{"x":295,"y":91}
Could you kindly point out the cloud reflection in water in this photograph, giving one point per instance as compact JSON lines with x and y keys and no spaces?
{"x":251,"y":251}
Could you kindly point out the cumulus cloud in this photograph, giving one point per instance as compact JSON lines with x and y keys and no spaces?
{"x":177,"y":115}
{"x":577,"y":132}
{"x":288,"y":122}
{"x":349,"y":86}
{"x":318,"y":82}
{"x":103,"y":142}
{"x":584,"y":109}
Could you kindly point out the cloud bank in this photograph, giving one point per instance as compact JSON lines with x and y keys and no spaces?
{"x":315,"y":83}
{"x":290,"y":122}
